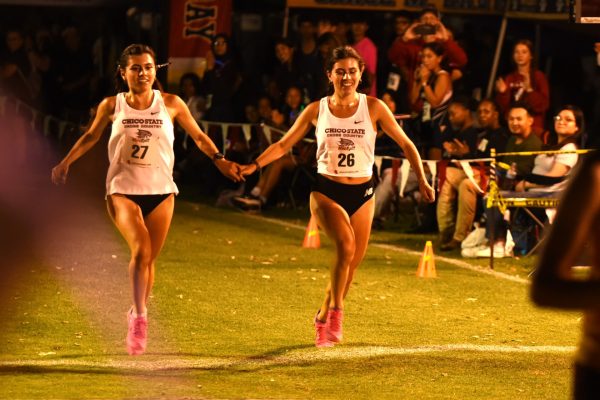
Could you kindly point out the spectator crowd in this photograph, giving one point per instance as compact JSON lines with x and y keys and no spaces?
{"x":421,"y":75}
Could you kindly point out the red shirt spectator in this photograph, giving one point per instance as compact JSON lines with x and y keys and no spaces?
{"x":405,"y":52}
{"x":525,"y":84}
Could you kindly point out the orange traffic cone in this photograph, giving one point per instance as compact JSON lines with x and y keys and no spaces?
{"x":311,"y":237}
{"x":426,"y":267}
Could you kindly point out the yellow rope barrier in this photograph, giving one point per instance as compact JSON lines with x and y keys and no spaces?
{"x":535,"y":153}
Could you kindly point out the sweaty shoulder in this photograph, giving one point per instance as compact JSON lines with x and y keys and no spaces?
{"x":107,"y":106}
{"x":376,"y":107}
{"x":171,"y":100}
{"x":312,"y":110}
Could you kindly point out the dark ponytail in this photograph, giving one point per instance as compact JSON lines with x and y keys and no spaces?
{"x":133,"y":50}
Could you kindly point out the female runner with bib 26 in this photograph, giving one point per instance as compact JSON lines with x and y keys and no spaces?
{"x":342,"y":197}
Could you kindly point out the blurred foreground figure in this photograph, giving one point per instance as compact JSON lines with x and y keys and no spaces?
{"x":556,"y":282}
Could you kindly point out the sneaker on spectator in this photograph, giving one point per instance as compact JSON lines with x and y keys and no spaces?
{"x":335,"y":317}
{"x":321,"y":339}
{"x":453,"y":244}
{"x":484,"y":250}
{"x":247,"y":202}
{"x":471,"y":252}
{"x":137,"y":334}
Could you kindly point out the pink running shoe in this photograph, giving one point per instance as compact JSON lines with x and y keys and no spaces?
{"x":335,"y":316}
{"x":321,"y":334}
{"x":136,"y":334}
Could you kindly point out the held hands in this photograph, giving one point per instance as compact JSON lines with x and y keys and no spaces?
{"x":230,"y":169}
{"x":249,"y":169}
{"x":59,"y":174}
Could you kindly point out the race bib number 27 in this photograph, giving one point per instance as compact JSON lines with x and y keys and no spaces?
{"x":138,"y":149}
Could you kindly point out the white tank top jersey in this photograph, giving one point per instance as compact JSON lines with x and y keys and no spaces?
{"x":345,"y":146}
{"x":140,"y":149}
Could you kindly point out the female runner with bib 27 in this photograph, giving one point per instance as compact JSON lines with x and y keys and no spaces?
{"x":139,"y":185}
{"x":342,"y":197}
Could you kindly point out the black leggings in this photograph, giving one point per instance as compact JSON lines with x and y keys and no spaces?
{"x":147,"y":202}
{"x":350,"y":197}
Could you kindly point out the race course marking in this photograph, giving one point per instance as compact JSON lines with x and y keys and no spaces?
{"x":293,"y":357}
{"x":457,"y":263}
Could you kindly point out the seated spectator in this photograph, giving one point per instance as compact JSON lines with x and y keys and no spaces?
{"x":385,"y":189}
{"x":492,"y":134}
{"x":525,"y":84}
{"x":405,"y":52}
{"x":460,"y":142}
{"x":190,"y":91}
{"x":304,"y":154}
{"x":522,"y":139}
{"x":431,"y":94}
{"x":549,"y":173}
{"x":568,"y":126}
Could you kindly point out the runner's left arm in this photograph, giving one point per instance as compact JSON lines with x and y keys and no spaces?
{"x":182,"y":115}
{"x":388,"y":123}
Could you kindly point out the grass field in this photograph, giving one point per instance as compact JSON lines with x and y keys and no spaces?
{"x":231,"y":314}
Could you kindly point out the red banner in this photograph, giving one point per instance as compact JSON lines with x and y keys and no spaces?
{"x":193,"y":25}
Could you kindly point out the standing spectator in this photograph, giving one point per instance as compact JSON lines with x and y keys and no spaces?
{"x":368,"y":51}
{"x":286,"y":72}
{"x":43,"y":59}
{"x":342,"y":30}
{"x":74,"y":75}
{"x":15,"y":68}
{"x":325,"y":44}
{"x":222,"y":80}
{"x":525,"y":84}
{"x":307,"y":56}
{"x":460,"y":143}
{"x":406,"y":51}
{"x":430,"y":95}
{"x":391,"y":75}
